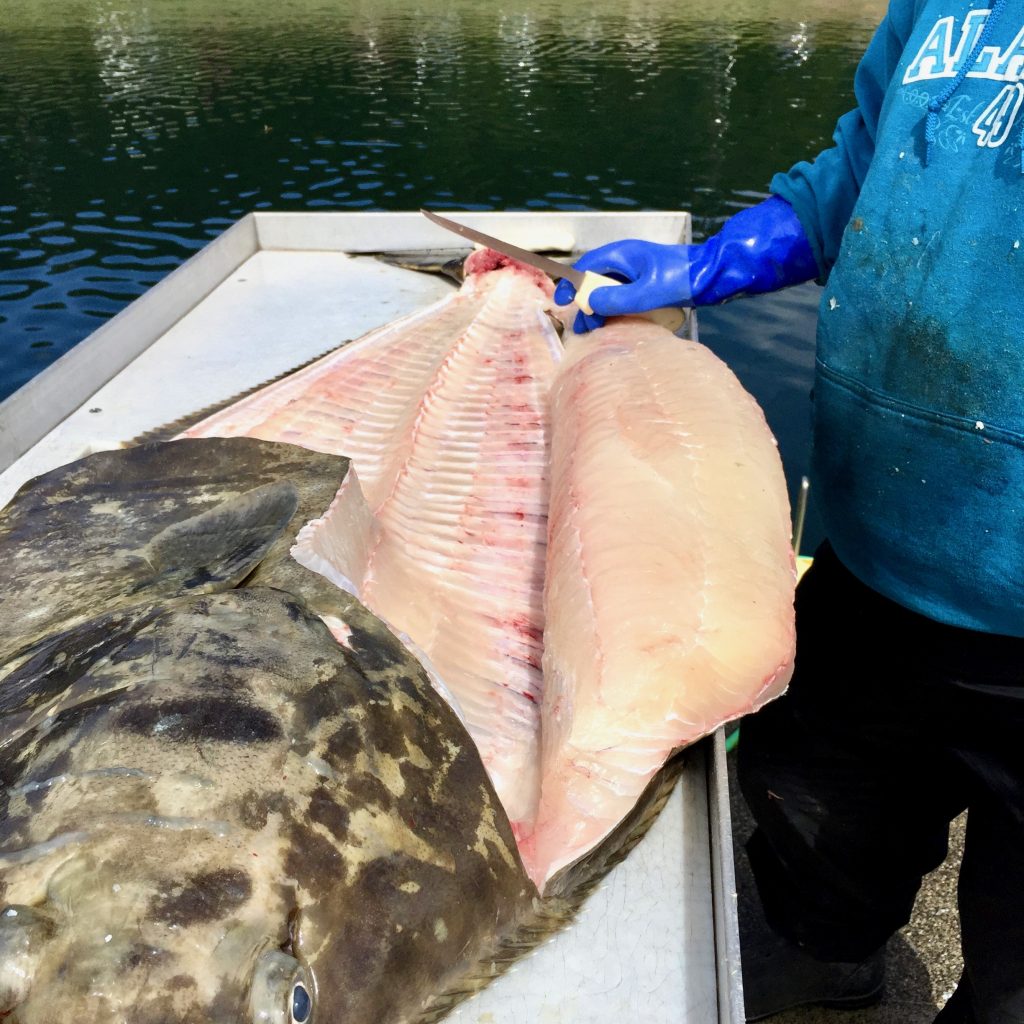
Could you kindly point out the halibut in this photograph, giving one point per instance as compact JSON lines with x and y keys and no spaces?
{"x":589,"y":604}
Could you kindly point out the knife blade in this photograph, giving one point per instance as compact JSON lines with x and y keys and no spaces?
{"x":585,"y":281}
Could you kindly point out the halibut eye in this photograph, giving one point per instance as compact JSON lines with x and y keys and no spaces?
{"x":281,"y":991}
{"x":302,"y":1005}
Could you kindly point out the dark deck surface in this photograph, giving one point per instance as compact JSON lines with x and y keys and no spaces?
{"x":923,"y":962}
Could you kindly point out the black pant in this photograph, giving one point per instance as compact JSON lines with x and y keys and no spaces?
{"x":893,"y":724}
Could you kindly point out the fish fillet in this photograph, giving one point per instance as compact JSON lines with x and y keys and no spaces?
{"x":643,"y":553}
{"x":668,"y":599}
{"x":441,"y":529}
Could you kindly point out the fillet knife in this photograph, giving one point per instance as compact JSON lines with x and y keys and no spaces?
{"x":584,"y":280}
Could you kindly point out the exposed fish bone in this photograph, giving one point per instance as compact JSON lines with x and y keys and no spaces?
{"x":441,"y":529}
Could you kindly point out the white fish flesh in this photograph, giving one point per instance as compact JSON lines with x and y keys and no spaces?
{"x":663,"y":592}
{"x":669,"y":579}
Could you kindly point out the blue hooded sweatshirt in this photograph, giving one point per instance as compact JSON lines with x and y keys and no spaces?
{"x":916,"y":218}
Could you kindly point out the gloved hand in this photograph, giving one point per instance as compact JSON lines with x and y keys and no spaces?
{"x":760,"y":249}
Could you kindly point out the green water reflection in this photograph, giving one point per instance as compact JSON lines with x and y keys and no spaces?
{"x":132,"y":132}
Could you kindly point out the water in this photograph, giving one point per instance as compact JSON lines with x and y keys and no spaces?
{"x":134,"y":131}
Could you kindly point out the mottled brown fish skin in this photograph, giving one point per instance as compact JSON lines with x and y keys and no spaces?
{"x":110,"y":530}
{"x":236,"y":786}
{"x":203,"y":796}
{"x":426,"y":864}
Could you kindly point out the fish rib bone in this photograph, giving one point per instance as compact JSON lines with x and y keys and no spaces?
{"x":449,"y":545}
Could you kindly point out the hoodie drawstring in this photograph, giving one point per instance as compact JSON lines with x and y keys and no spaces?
{"x":931,"y":123}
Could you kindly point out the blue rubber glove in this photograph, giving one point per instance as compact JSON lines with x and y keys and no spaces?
{"x":760,"y":249}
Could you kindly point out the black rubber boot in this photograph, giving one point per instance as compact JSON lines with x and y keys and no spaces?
{"x":958,"y":1008}
{"x":779,"y":976}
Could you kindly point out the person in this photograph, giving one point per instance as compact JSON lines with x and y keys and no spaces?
{"x":907,"y":704}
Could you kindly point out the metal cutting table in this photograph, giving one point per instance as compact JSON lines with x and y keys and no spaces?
{"x":658,"y":942}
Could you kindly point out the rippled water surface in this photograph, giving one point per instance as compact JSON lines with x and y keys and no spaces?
{"x":132,"y":132}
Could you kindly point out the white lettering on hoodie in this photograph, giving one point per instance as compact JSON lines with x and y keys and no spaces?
{"x":944,"y":49}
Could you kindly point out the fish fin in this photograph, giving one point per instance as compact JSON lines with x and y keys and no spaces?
{"x":577,"y":880}
{"x":216,"y":549}
{"x":169,"y":431}
{"x":564,"y":895}
{"x":442,"y":262}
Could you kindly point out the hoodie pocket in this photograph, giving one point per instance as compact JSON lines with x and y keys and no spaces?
{"x":924,"y":506}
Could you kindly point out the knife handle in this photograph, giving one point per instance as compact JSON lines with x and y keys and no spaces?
{"x":587,"y":285}
{"x":668,"y":317}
